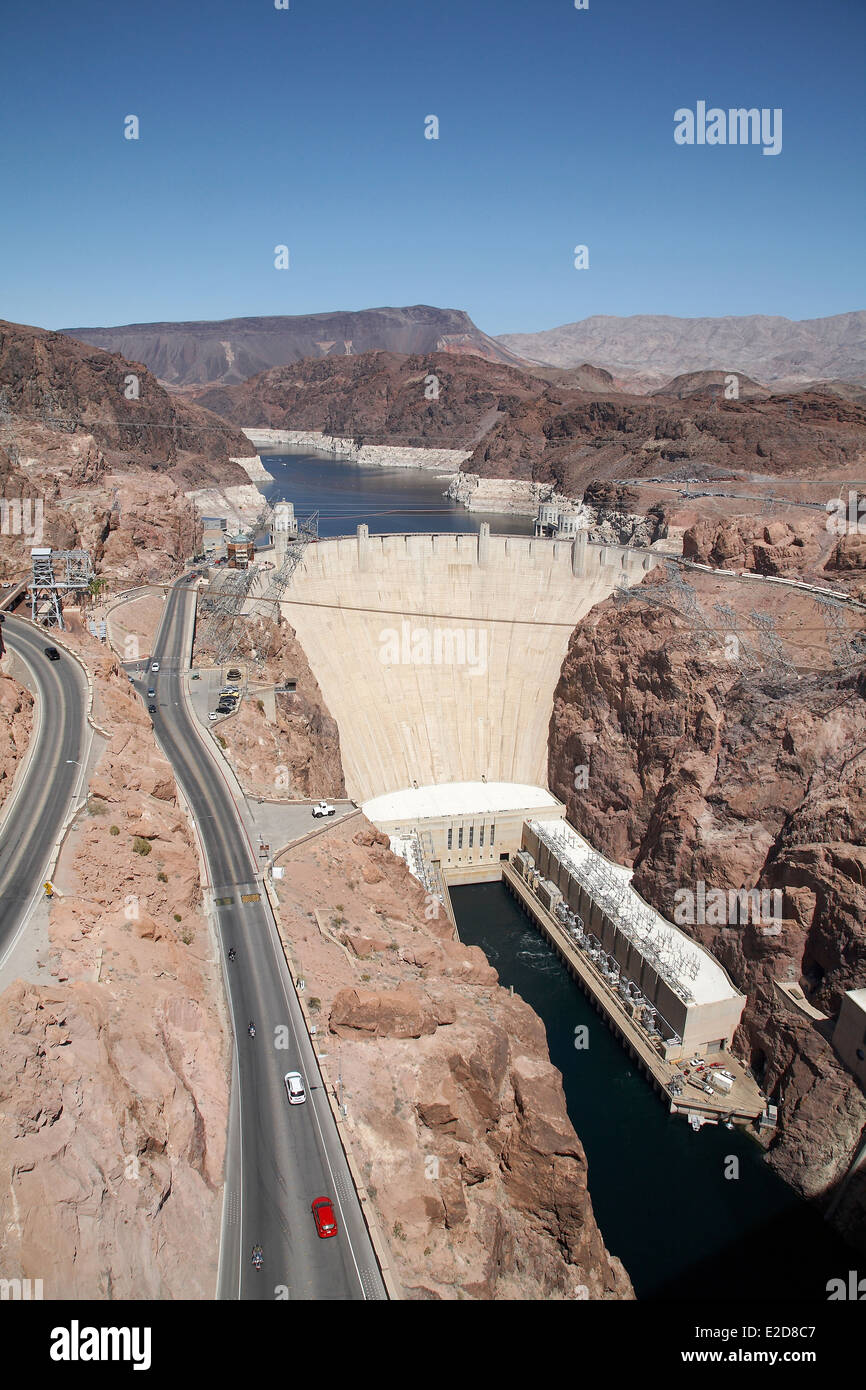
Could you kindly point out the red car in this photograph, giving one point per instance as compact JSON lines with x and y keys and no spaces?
{"x":323,"y":1215}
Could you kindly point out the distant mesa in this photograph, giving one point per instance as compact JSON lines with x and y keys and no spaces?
{"x":232,"y":350}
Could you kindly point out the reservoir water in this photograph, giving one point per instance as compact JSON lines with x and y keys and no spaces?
{"x":662,"y":1200}
{"x":389,"y":500}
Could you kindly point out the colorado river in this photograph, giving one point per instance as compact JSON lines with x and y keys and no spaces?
{"x":682,"y":1229}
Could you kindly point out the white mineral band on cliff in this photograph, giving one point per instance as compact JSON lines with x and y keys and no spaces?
{"x":372,"y":455}
{"x":240,"y":504}
{"x":254,"y":469}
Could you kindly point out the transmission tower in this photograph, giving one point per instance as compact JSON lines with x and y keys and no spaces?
{"x":839,"y":641}
{"x":673,"y":593}
{"x":745,"y":654}
{"x":774,"y":661}
{"x":46,"y":586}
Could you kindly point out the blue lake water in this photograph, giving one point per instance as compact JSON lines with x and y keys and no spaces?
{"x":388,"y":500}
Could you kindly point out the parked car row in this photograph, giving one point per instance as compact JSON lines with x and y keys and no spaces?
{"x":227,"y":702}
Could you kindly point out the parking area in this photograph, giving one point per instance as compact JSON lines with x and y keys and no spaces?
{"x":278,"y":824}
{"x":213,"y":692}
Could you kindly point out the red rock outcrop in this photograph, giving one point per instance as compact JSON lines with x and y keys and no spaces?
{"x":571,"y":438}
{"x":705,"y":769}
{"x":298,"y":754}
{"x":108,"y":473}
{"x":113,"y":1082}
{"x":763,"y":547}
{"x":16,"y":726}
{"x":380,"y":398}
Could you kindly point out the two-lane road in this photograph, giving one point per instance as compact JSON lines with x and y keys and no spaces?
{"x":286,"y":1155}
{"x":42,"y":799}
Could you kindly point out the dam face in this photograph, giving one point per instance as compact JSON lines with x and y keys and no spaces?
{"x":438,"y":655}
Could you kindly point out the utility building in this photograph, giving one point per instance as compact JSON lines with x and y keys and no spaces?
{"x":240,"y":550}
{"x":849,"y":1035}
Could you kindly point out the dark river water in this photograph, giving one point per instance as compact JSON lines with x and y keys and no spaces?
{"x":387,"y":499}
{"x":681,"y":1228}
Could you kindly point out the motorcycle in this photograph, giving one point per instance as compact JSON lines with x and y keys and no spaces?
{"x":258,"y":1258}
{"x":252,"y":1030}
{"x":232,"y":953}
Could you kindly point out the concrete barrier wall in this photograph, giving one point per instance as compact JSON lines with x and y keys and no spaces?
{"x":438,"y":655}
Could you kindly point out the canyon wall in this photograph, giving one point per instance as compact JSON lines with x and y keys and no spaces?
{"x":297,"y":754}
{"x":701,"y":766}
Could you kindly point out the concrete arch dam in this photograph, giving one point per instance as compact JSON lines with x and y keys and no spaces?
{"x":438,"y":655}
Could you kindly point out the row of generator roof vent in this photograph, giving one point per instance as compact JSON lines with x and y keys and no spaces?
{"x":637,"y":921}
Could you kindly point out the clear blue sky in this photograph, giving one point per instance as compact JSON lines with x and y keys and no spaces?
{"x":306,"y":127}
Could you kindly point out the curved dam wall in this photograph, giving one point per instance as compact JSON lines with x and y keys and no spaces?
{"x":438,"y":655}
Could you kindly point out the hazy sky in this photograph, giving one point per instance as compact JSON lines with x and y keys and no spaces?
{"x":305,"y":127}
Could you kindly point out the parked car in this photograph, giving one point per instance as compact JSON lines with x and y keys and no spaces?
{"x":52,"y":653}
{"x":323,"y":808}
{"x":323,"y":1215}
{"x":295,"y":1088}
{"x":213,"y":715}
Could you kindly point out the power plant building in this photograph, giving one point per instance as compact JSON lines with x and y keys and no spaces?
{"x":680,"y":989}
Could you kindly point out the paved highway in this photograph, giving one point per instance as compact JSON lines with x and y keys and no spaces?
{"x":35,"y":816}
{"x":279,"y":1158}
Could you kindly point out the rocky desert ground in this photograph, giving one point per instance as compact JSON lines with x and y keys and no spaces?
{"x":113,"y":1083}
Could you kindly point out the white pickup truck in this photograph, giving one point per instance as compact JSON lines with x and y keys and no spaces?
{"x":323,"y":808}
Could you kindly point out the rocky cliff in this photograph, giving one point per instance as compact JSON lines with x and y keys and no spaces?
{"x":571,"y":439}
{"x":108,"y":473}
{"x":434,"y":399}
{"x":49,"y":382}
{"x":708,"y":761}
{"x":298,"y":754}
{"x":16,"y":726}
